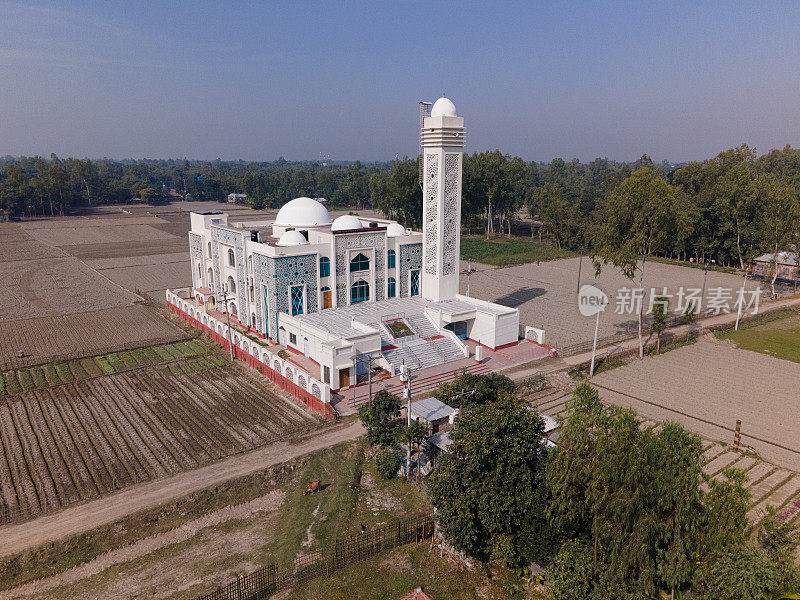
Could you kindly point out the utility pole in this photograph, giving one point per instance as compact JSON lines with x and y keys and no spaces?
{"x":469,"y":270}
{"x":580,"y":265}
{"x":594,"y":345}
{"x":703,"y":293}
{"x":405,"y":375}
{"x":228,"y":315}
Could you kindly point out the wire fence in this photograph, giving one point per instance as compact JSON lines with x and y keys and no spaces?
{"x":346,"y":551}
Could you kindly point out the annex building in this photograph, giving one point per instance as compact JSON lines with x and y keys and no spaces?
{"x":353,"y":292}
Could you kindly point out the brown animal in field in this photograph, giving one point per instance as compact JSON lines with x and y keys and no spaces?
{"x":312,"y":487}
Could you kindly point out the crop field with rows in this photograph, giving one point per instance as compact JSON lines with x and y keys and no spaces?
{"x":91,"y":435}
{"x":44,"y":376}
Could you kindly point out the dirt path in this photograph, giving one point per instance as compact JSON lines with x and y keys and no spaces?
{"x":267,"y":503}
{"x":84,"y":517}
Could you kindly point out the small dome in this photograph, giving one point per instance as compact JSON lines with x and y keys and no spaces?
{"x":292,"y":238}
{"x":302,"y":212}
{"x":443,"y":107}
{"x":395,"y":230}
{"x":346,"y":223}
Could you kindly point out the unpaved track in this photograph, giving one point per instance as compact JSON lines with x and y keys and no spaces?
{"x":77,"y":519}
{"x":267,"y":503}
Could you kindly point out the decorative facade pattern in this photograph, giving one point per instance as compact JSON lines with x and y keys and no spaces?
{"x":451,"y":214}
{"x":278,"y":275}
{"x":410,"y":257}
{"x":357,"y":241}
{"x":431,"y":205}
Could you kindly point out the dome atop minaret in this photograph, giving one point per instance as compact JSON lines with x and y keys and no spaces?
{"x":443,"y":107}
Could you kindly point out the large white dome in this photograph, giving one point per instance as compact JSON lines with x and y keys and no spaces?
{"x":302,"y":212}
{"x":443,"y":107}
{"x":346,"y":223}
{"x":292,"y":238}
{"x":395,"y":230}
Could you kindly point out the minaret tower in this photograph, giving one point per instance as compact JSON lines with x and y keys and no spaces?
{"x":442,"y":138}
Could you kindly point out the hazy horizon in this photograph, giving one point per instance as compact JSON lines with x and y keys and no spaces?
{"x":678,"y":82}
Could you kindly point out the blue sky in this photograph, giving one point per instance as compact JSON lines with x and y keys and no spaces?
{"x":679,"y":80}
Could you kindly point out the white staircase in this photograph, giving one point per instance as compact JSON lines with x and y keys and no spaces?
{"x":418,"y":352}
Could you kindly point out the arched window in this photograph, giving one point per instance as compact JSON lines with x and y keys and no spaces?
{"x":200,"y":273}
{"x":324,"y":266}
{"x":359,"y":292}
{"x":233,"y":310}
{"x":231,"y":285}
{"x":359,"y":263}
{"x":209,"y":249}
{"x":390,"y":292}
{"x":390,"y":258}
{"x":253,"y":320}
{"x":231,"y":258}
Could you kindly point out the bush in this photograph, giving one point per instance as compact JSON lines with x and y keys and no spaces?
{"x":388,"y":463}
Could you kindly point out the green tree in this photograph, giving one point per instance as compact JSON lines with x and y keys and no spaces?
{"x":641,"y":214}
{"x":387,"y":463}
{"x":660,"y":312}
{"x":725,"y":516}
{"x":397,"y":193}
{"x":414,"y":436}
{"x":741,"y":572}
{"x":471,"y":388}
{"x":572,"y":575}
{"x":483,"y":486}
{"x":381,"y":418}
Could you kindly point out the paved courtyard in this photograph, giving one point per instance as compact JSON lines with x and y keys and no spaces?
{"x":546,"y":294}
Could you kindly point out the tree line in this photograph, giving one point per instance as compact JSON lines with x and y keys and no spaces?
{"x":614,"y":511}
{"x":728,"y":209}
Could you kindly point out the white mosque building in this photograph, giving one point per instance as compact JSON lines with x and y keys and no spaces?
{"x":339,"y":291}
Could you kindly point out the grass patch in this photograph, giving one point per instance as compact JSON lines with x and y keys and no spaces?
{"x":103,"y":362}
{"x":91,"y":367}
{"x":77,"y":370}
{"x":503,"y":252}
{"x":693,"y":265}
{"x":25,"y":380}
{"x":12,"y":383}
{"x":395,"y":573}
{"x":779,"y":337}
{"x":51,"y":375}
{"x":151,"y":354}
{"x":116,"y":362}
{"x":126,"y":358}
{"x":399,"y":328}
{"x":2,"y":385}
{"x":64,"y":373}
{"x":39,"y":380}
{"x":651,"y":350}
{"x":140,"y":357}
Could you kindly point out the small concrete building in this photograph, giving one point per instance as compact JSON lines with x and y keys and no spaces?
{"x":236,"y":198}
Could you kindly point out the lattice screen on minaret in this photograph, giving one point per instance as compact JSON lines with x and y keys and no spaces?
{"x":431,"y":211}
{"x":450,"y":214}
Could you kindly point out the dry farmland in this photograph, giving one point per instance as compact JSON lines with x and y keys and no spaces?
{"x":75,"y":441}
{"x":707,"y":386}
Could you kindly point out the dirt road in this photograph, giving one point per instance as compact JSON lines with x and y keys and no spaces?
{"x":77,"y":519}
